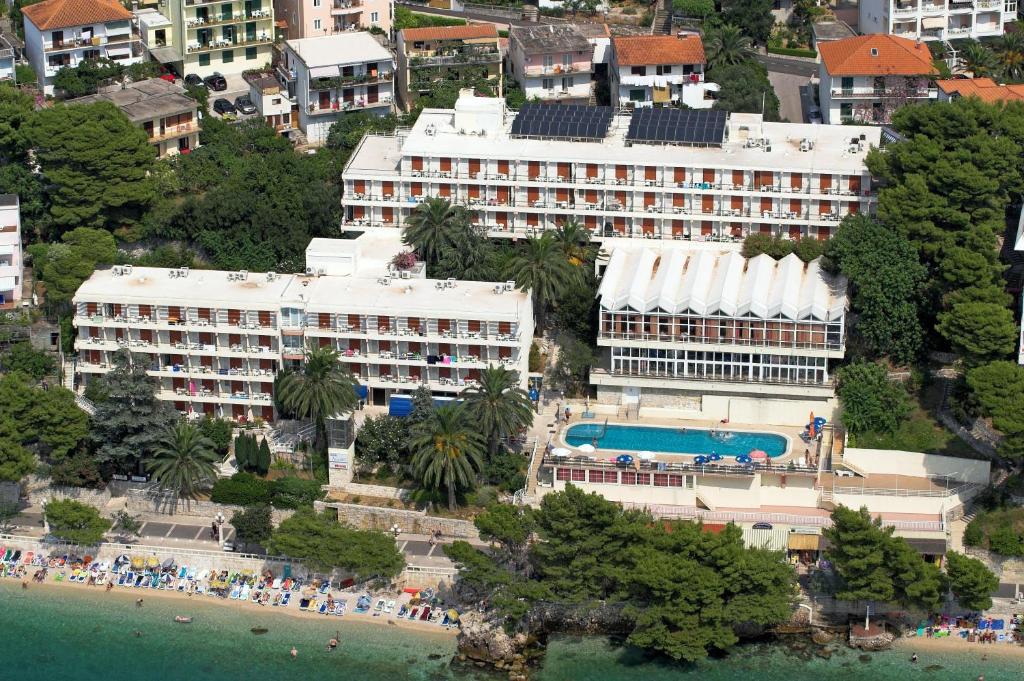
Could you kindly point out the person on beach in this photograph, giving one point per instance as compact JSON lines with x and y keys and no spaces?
{"x":24,"y":584}
{"x":110,"y":585}
{"x":295,"y":653}
{"x":138,"y":603}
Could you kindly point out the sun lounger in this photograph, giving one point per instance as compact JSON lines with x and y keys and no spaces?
{"x":389,"y":607}
{"x":414,"y":613}
{"x":286,"y":599}
{"x":425,"y":615}
{"x":379,"y":606}
{"x":304,"y":603}
{"x":403,"y":611}
{"x":235,"y":593}
{"x":340,"y":607}
{"x":276,"y":584}
{"x":322,"y":608}
{"x":182,"y":572}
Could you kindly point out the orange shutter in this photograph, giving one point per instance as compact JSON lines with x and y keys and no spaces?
{"x":825,"y":182}
{"x":503,"y":167}
{"x":474,"y":191}
{"x":591,"y":170}
{"x":444,"y":190}
{"x":648,"y":199}
{"x":737,"y":178}
{"x":474,"y":166}
{"x":446,"y":164}
{"x":796,"y":180}
{"x":621,"y":172}
{"x":707,"y":203}
{"x":709,"y":175}
{"x":679,"y":175}
{"x":533,"y":169}
{"x":650,"y":173}
{"x":855,"y":184}
{"x":417,"y":163}
{"x":387,"y":188}
{"x":359,"y":186}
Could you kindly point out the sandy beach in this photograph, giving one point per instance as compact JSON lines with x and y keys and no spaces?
{"x":53,"y":588}
{"x":954,"y":644}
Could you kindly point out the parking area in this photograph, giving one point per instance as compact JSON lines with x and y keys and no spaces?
{"x":182,"y":532}
{"x":794,"y":93}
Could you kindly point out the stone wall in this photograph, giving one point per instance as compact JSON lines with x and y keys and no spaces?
{"x":39,"y":490}
{"x":411,"y":522}
{"x":10,"y":493}
{"x":142,"y":502}
{"x":378,"y":491}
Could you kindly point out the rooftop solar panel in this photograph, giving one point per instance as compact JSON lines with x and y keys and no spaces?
{"x":562,"y":121}
{"x":677,"y":126}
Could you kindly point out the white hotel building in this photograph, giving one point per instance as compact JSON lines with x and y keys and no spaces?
{"x":788,"y":179}
{"x":937,"y":19}
{"x":697,"y":328}
{"x":215,"y":340}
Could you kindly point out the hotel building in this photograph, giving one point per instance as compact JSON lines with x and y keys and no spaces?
{"x":12,"y":270}
{"x":697,"y":328}
{"x":215,"y":340}
{"x":937,"y":19}
{"x":787,"y":179}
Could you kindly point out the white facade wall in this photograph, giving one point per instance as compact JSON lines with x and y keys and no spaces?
{"x":688,"y":89}
{"x":861,"y":99}
{"x":937,"y":19}
{"x":77,"y":41}
{"x":11,"y":266}
{"x":918,"y":464}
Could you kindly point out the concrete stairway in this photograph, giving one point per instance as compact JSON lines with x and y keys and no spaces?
{"x":662,"y":24}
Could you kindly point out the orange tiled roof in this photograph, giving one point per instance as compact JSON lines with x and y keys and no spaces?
{"x":466,"y":32}
{"x":984,"y":89}
{"x":51,"y":14}
{"x":876,"y":55}
{"x":651,"y":50}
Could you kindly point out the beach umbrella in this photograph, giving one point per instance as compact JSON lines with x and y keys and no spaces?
{"x":453,"y":615}
{"x":758,"y":454}
{"x":152,"y":562}
{"x":624,"y":459}
{"x":646,"y":456}
{"x":715,"y":457}
{"x":700,"y":460}
{"x":587,"y":449}
{"x":168,"y":563}
{"x":561,"y":452}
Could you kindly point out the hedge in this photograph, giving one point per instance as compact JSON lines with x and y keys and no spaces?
{"x":792,"y":52}
{"x":245,"y":489}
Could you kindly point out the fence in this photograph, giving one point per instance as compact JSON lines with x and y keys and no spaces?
{"x":693,"y":513}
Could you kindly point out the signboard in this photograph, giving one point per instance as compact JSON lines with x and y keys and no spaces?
{"x":337,"y":460}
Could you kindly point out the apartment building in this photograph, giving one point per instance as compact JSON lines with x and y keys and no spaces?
{"x":162,"y":109}
{"x":659,"y":70}
{"x":157,"y":34}
{"x":427,"y":56}
{"x":315,"y":18}
{"x":552,"y":62}
{"x":7,"y":60}
{"x":743,"y":176}
{"x":216,"y":340}
{"x":64,"y":33}
{"x":218,"y":36}
{"x":331,"y":76}
{"x":937,"y":19}
{"x":11,"y":267}
{"x":866,"y":78}
{"x":701,"y":328}
{"x":271,"y":99}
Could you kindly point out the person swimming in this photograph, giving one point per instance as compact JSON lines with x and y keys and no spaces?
{"x":294,"y":653}
{"x":913,"y":658}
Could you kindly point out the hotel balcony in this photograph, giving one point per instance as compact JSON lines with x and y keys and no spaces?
{"x":199,"y":21}
{"x":454,"y":57}
{"x":172,"y":131}
{"x":339,"y":82}
{"x":354,"y":105}
{"x":557,"y":69}
{"x":904,"y":10}
{"x":341,"y":7}
{"x":77,"y":42}
{"x":222,"y":44}
{"x":884,"y":93}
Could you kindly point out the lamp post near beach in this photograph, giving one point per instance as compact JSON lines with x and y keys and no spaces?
{"x":219,"y":519}
{"x":46,"y":524}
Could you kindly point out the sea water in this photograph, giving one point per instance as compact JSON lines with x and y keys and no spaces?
{"x":91,"y":636}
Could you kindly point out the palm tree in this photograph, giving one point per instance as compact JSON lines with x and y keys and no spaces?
{"x":977,"y":59}
{"x":183,"y":460}
{"x":435,"y":226}
{"x":574,"y":240}
{"x":320,"y":389}
{"x":1011,"y":55}
{"x":541,"y":267}
{"x":498,"y":407}
{"x":728,"y":46}
{"x":447,"y":451}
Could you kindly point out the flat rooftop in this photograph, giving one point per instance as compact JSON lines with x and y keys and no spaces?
{"x":342,"y":48}
{"x":144,"y":100}
{"x":155,"y":285}
{"x":435,"y":134}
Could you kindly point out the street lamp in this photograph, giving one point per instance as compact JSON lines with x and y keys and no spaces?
{"x":219,"y":519}
{"x":46,"y":524}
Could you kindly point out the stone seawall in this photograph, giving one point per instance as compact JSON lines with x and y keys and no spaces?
{"x":413,"y":522}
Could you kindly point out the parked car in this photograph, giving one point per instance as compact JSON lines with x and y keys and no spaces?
{"x":224,"y":107}
{"x":245,"y":105}
{"x":216,"y":82}
{"x":194,"y":80}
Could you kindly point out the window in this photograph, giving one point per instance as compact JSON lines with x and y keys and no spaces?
{"x":204,"y":59}
{"x":579,"y":475}
{"x":661,"y":479}
{"x":250,"y":54}
{"x":643,"y":478}
{"x":316,"y":24}
{"x":637,"y":95}
{"x":562,"y":474}
{"x":663,"y":70}
{"x":567,"y":83}
{"x":638,"y":70}
{"x":227,"y":56}
{"x":316,"y":3}
{"x":374,"y":17}
{"x":628,"y":478}
{"x":846,"y":111}
{"x":548,"y":61}
{"x":548,"y":83}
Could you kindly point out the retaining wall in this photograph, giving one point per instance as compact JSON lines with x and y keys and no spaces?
{"x":378,"y":491}
{"x":413,"y":522}
{"x":141,"y":502}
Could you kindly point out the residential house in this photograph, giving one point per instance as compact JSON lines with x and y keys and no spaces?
{"x":223,"y":36}
{"x":64,"y":33}
{"x":552,"y":62}
{"x":866,"y":78}
{"x":659,"y":70}
{"x":738,"y":175}
{"x":162,"y":109}
{"x":11,"y":267}
{"x":336,"y":74}
{"x":157,"y":34}
{"x":985,"y":89}
{"x":273,"y":102}
{"x":466,"y":54}
{"x":7,"y":59}
{"x":937,"y":19}
{"x":315,"y":18}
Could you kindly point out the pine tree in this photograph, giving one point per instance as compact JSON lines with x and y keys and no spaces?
{"x":240,"y":454}
{"x":264,"y":457}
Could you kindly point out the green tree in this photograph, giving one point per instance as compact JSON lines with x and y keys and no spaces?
{"x":870,"y":401}
{"x":510,"y":527}
{"x":242,"y":452}
{"x":858,"y":551}
{"x":15,"y":460}
{"x":63,"y":267}
{"x":918,"y":584}
{"x":436,"y":225}
{"x":130,"y":420}
{"x":745,"y":89}
{"x":541,"y":268}
{"x":294,"y":492}
{"x":886,"y":277}
{"x":183,"y":461}
{"x":76,"y":522}
{"x":998,"y":387}
{"x":974,"y":534}
{"x":694,"y":8}
{"x":45,"y":421}
{"x":86,"y":77}
{"x":1011,"y":56}
{"x":978,"y":59}
{"x":574,"y":240}
{"x":321,"y":543}
{"x":97,"y":163}
{"x":241,"y":489}
{"x":971,"y":582}
{"x":756,"y":244}
{"x":382,"y":441}
{"x":447,"y":451}
{"x":979,"y":332}
{"x":264,"y":457}
{"x":498,"y":406}
{"x":252,"y":524}
{"x":1006,"y":541}
{"x":217,"y":431}
{"x":125,"y":523}
{"x":24,"y":358}
{"x":322,"y":388}
{"x":572,"y":368}
{"x":753,"y":17}
{"x":727,"y":46}
{"x":16,"y":110}
{"x":18,"y":178}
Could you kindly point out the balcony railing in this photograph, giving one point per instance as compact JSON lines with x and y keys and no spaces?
{"x":73,"y":43}
{"x":459,"y":57}
{"x":725,"y":467}
{"x":346,"y":7}
{"x":172,"y":131}
{"x":338,"y":106}
{"x":712,"y":379}
{"x":198,"y":22}
{"x":958,"y":30}
{"x":700,"y":340}
{"x":884,"y":93}
{"x":223,"y":44}
{"x":556,"y":69}
{"x":904,"y":11}
{"x":349,"y":81}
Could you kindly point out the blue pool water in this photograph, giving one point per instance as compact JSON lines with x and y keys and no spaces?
{"x":674,"y":440}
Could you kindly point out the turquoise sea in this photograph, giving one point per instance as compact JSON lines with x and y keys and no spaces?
{"x":58,"y":633}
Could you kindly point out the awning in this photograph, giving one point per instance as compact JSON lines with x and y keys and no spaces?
{"x":6,"y":249}
{"x":803,"y":542}
{"x":324,"y":71}
{"x":165,"y":55}
{"x":928,"y":547}
{"x":933,"y":22}
{"x":6,"y":283}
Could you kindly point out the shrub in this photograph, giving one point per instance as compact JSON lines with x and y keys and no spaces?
{"x":241,"y":489}
{"x":292,"y":492}
{"x":535,"y":358}
{"x":974,"y":535}
{"x":792,"y":52}
{"x":219,"y":433}
{"x":1005,"y":541}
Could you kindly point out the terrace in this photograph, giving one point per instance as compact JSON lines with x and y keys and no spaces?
{"x":449,"y":56}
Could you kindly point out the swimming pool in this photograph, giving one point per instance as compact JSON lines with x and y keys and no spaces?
{"x":675,"y":440}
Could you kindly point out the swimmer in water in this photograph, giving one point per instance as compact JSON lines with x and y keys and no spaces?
{"x":295,"y":653}
{"x":913,"y":658}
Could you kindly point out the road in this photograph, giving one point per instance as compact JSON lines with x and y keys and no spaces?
{"x":795,"y":67}
{"x":793,"y":93}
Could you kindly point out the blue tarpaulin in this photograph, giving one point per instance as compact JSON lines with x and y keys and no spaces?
{"x":401,"y":405}
{"x":362,"y":391}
